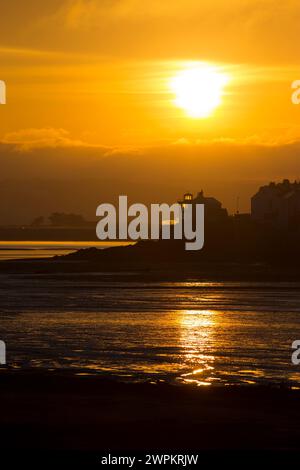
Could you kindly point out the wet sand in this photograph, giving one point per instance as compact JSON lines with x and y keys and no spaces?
{"x":47,"y":411}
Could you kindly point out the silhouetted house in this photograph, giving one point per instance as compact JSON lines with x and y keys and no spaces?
{"x":213,"y":210}
{"x":277,"y":204}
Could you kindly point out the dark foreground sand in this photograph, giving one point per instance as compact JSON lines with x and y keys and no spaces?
{"x":58,"y":411}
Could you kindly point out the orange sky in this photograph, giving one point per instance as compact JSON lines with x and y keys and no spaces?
{"x":88,"y":74}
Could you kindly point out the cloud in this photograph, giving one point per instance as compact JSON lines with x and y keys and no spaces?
{"x":53,"y":174}
{"x":234,"y":31}
{"x":271,"y":138}
{"x":47,"y":138}
{"x":27,"y":139}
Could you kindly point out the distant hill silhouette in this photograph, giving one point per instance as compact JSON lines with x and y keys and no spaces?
{"x":234,"y":241}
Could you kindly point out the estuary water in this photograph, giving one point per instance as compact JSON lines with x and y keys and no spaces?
{"x":48,"y":249}
{"x":183,"y":332}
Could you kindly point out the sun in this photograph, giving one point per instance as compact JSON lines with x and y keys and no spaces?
{"x":199,"y":89}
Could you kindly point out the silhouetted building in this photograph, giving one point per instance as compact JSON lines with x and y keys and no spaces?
{"x":213,"y":209}
{"x":277,"y":204}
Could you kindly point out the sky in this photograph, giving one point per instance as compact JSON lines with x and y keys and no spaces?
{"x":90,"y":112}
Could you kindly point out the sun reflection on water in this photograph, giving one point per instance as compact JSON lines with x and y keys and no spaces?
{"x":197,"y":339}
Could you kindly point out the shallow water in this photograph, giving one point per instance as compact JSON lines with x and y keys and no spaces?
{"x":47,"y":249}
{"x":207,"y":333}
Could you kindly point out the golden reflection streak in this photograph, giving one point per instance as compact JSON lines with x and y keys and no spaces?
{"x":197,"y":338}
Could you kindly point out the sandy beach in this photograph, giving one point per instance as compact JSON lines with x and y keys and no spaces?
{"x":57,"y":411}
